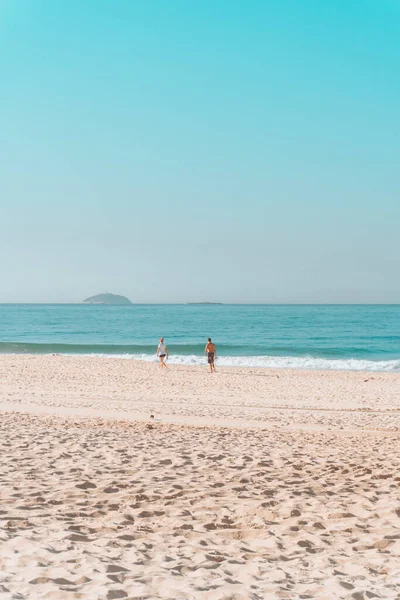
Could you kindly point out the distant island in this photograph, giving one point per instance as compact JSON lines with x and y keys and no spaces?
{"x":219,"y":303}
{"x":107,"y":299}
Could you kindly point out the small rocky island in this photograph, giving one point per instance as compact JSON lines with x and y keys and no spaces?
{"x":107,"y":299}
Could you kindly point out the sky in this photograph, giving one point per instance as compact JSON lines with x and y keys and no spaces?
{"x":218,"y":150}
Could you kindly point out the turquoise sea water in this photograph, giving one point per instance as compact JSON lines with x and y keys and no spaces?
{"x":355,"y":337}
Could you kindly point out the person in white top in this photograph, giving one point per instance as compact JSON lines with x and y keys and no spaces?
{"x":162,"y":353}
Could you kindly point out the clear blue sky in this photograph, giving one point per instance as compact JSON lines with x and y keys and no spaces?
{"x":213,"y":150}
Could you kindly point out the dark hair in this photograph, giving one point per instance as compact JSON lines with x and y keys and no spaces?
{"x":209,"y":339}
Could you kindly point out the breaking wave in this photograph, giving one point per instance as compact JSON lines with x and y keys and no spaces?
{"x":283,"y":362}
{"x":193,"y":355}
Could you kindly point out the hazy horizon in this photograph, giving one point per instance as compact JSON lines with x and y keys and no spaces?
{"x":210,"y":302}
{"x":218,"y":152}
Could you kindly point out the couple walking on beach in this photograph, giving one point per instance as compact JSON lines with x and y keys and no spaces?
{"x":210,"y":351}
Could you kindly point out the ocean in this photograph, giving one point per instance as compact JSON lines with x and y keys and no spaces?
{"x":349,"y":337}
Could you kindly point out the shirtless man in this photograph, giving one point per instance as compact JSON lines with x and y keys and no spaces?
{"x":211,"y":352}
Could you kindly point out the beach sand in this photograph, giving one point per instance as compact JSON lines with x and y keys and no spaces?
{"x":247,"y":484}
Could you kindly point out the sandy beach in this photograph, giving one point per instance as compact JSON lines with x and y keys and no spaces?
{"x":247,"y":484}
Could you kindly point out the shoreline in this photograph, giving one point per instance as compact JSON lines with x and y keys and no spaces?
{"x":198,"y":361}
{"x":203,"y":366}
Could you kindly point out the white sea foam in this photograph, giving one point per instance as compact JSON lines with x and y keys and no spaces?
{"x":279,"y":362}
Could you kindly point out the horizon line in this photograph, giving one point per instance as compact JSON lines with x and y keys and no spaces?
{"x":203,"y":304}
